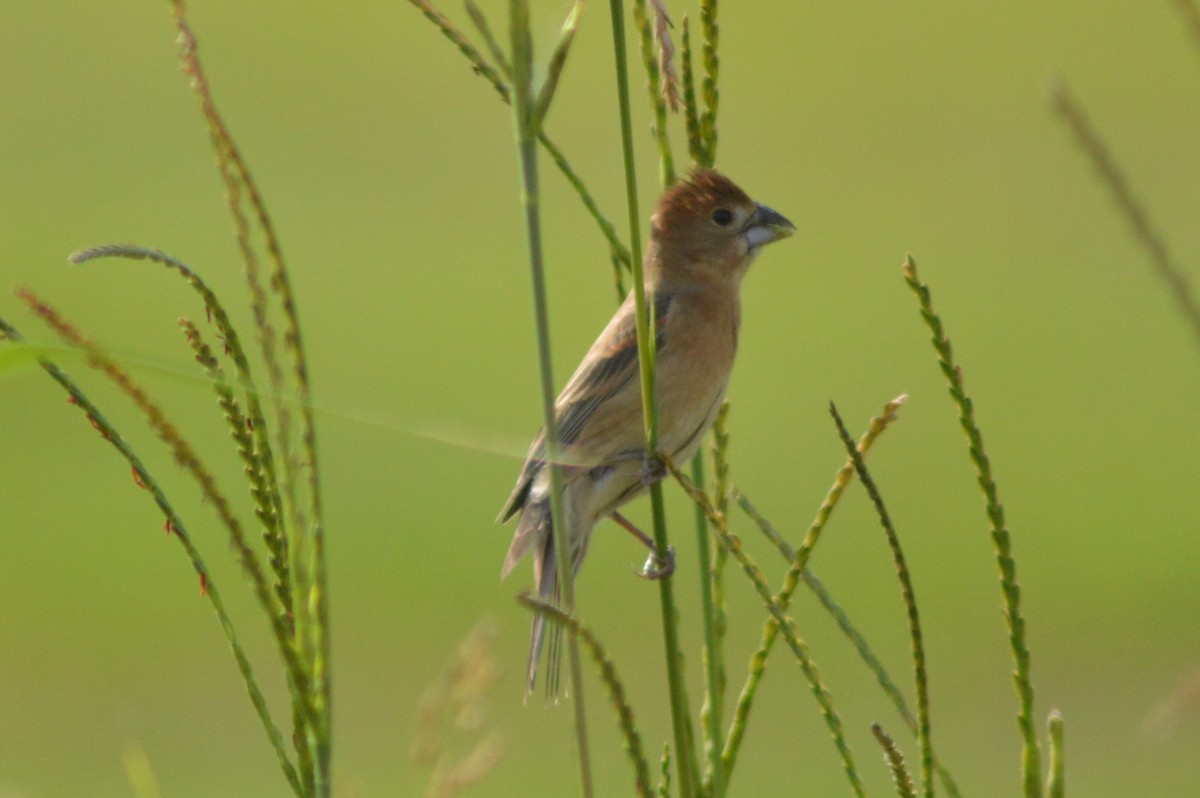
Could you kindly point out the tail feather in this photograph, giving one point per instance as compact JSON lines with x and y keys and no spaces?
{"x":534,"y":533}
{"x":545,"y":568}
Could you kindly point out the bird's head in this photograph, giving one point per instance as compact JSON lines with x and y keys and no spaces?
{"x":708,"y":229}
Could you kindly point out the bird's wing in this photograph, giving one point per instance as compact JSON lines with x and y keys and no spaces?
{"x":601,"y":398}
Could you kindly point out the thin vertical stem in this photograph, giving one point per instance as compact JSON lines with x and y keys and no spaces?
{"x":1001,"y":540}
{"x":681,"y":723}
{"x":711,"y":722}
{"x":522,"y":56}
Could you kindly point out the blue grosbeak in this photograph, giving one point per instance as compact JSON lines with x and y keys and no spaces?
{"x":705,"y":232}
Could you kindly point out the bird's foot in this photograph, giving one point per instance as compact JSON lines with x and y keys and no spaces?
{"x":656,"y":567}
{"x":659,"y":567}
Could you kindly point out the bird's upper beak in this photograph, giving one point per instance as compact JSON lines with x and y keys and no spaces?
{"x":765,"y":226}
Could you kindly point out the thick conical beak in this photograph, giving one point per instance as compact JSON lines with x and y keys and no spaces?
{"x":765,"y":226}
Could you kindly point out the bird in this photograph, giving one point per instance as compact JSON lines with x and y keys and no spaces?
{"x":704,"y":234}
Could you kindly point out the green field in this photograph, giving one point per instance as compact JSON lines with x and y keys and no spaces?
{"x":391,"y":176}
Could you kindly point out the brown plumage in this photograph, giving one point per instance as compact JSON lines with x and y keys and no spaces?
{"x":704,"y":234}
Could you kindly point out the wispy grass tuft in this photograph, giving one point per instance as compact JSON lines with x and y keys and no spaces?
{"x":1011,"y":592}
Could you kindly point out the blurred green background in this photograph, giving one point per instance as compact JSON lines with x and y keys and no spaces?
{"x":390,"y":173}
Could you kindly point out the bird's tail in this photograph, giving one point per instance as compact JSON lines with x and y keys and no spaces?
{"x":535,"y":532}
{"x":545,"y":568}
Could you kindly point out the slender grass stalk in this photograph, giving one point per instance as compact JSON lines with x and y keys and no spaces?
{"x":1130,"y":206}
{"x":174,"y":525}
{"x":1011,"y":592}
{"x":186,"y":457}
{"x":558,"y":61}
{"x":712,"y":67}
{"x":481,"y":67}
{"x":895,"y":760}
{"x":306,"y":537}
{"x":711,"y":725}
{"x":787,"y":627}
{"x":526,"y":130}
{"x":613,"y":683}
{"x":256,"y":455}
{"x":658,"y":104}
{"x":712,"y":600}
{"x":681,"y":721}
{"x":799,"y":562}
{"x":691,"y":114}
{"x":485,"y":30}
{"x":910,"y":604}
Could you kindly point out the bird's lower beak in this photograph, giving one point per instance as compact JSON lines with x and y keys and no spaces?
{"x":765,"y":226}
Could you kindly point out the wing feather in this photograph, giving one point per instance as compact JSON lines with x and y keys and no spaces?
{"x":609,"y":368}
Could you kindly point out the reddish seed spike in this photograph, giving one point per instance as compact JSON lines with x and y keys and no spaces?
{"x":137,"y":479}
{"x":71,"y":400}
{"x":203,"y":584}
{"x":249,"y":423}
{"x":168,"y":527}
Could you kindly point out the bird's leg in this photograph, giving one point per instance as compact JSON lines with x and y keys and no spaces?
{"x":656,"y":567}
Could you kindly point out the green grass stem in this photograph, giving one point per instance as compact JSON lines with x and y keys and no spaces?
{"x":481,"y":67}
{"x":799,"y":561}
{"x":685,"y":756}
{"x":526,"y":135}
{"x":690,"y":110}
{"x":787,"y":627}
{"x":257,"y":459}
{"x":1011,"y":592}
{"x":658,"y":103}
{"x":306,"y":538}
{"x":712,"y":68}
{"x":186,"y":457}
{"x":908,"y":594}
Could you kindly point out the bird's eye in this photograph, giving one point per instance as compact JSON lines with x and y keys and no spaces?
{"x":722,"y":216}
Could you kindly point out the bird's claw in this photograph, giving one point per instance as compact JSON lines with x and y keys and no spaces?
{"x":659,"y":567}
